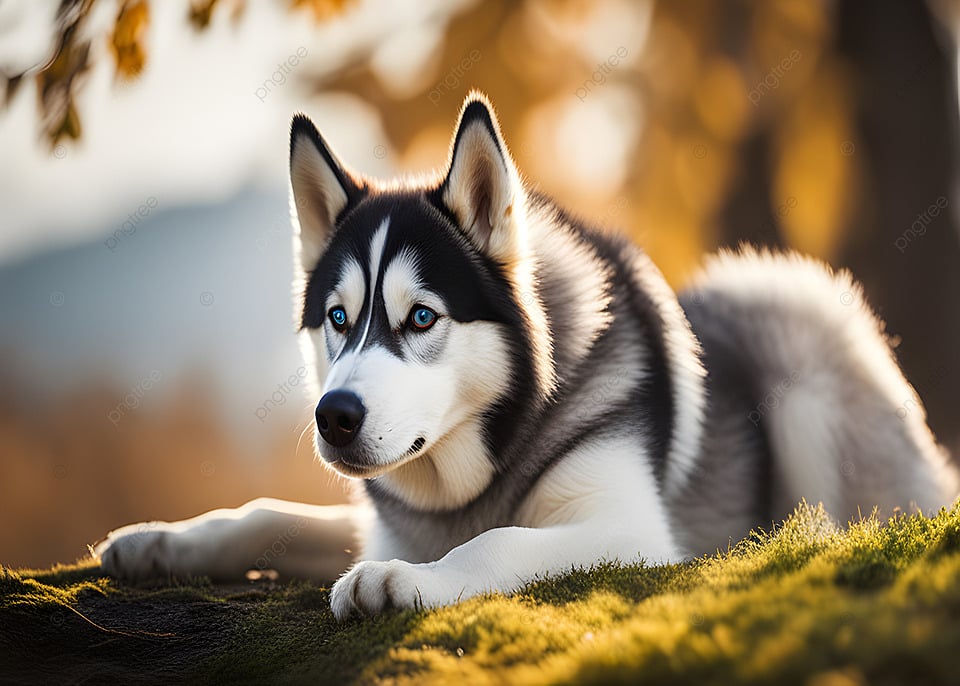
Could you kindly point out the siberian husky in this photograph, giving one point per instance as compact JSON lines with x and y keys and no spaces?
{"x":520,"y":394}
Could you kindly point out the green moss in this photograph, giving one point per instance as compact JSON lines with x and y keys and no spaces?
{"x":60,"y":587}
{"x":808,"y":603}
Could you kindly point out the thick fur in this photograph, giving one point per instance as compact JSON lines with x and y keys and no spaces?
{"x":563,"y":407}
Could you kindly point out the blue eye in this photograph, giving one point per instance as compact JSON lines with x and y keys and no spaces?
{"x":422,"y":318}
{"x":338,"y":317}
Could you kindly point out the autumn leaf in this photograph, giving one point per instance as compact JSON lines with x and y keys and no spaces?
{"x":127,"y":41}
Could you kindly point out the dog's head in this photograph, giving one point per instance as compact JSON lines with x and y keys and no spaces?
{"x":419,"y":306}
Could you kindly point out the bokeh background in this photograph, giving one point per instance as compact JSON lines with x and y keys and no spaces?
{"x":147,"y":351}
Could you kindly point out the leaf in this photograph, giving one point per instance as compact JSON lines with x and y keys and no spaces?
{"x":128,"y":40}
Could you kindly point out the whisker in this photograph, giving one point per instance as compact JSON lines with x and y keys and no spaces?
{"x":306,"y":428}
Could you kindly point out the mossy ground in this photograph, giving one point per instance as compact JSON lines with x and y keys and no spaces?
{"x":870,"y":603}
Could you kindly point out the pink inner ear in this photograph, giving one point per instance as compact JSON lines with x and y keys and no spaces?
{"x":481,"y":200}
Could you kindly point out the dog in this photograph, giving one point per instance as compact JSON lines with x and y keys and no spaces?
{"x":520,"y":394}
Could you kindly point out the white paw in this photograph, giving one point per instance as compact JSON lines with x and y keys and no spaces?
{"x":138,"y":552}
{"x":371,"y":587}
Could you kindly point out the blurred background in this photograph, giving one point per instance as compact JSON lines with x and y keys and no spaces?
{"x":148,"y":362}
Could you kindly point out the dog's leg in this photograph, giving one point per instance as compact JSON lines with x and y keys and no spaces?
{"x":499,"y":560}
{"x":600,"y":503}
{"x":296,"y":540}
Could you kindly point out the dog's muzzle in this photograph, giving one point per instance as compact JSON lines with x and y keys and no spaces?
{"x":339,"y":416}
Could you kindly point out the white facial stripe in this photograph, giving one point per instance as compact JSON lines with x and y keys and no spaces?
{"x":377,"y":245}
{"x":401,"y":287}
{"x":340,"y":371}
{"x":345,"y":364}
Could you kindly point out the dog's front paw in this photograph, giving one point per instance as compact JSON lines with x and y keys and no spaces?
{"x":371,"y":587}
{"x":137,"y":552}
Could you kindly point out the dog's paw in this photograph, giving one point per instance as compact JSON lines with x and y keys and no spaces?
{"x":138,"y":552}
{"x":371,"y":587}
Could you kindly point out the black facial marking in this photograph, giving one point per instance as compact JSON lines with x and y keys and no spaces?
{"x":380,"y":330}
{"x":472,"y":286}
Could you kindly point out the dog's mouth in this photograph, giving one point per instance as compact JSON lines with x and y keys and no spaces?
{"x":357,"y":467}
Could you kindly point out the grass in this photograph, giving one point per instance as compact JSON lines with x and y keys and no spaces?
{"x":809,"y":604}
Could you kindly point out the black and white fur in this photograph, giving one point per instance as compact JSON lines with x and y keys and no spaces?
{"x":563,"y":408}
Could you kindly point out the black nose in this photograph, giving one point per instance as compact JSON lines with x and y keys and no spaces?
{"x":339,"y":416}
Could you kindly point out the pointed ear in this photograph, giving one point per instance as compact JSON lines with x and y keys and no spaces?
{"x":482,"y":187}
{"x":321,"y":189}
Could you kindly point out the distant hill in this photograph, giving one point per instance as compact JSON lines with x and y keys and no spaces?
{"x":167,"y":294}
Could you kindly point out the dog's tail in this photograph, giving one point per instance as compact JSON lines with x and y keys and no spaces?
{"x":841,"y":422}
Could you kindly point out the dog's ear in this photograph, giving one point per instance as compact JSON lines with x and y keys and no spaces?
{"x":482,"y":187}
{"x":321,"y":188}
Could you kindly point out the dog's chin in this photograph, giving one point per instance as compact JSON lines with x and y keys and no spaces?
{"x":364,"y":467}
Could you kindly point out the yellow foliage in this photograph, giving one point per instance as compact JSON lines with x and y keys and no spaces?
{"x":322,"y":9}
{"x":128,"y":36}
{"x":816,"y":166}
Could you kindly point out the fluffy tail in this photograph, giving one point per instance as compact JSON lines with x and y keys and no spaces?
{"x":842,"y":424}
